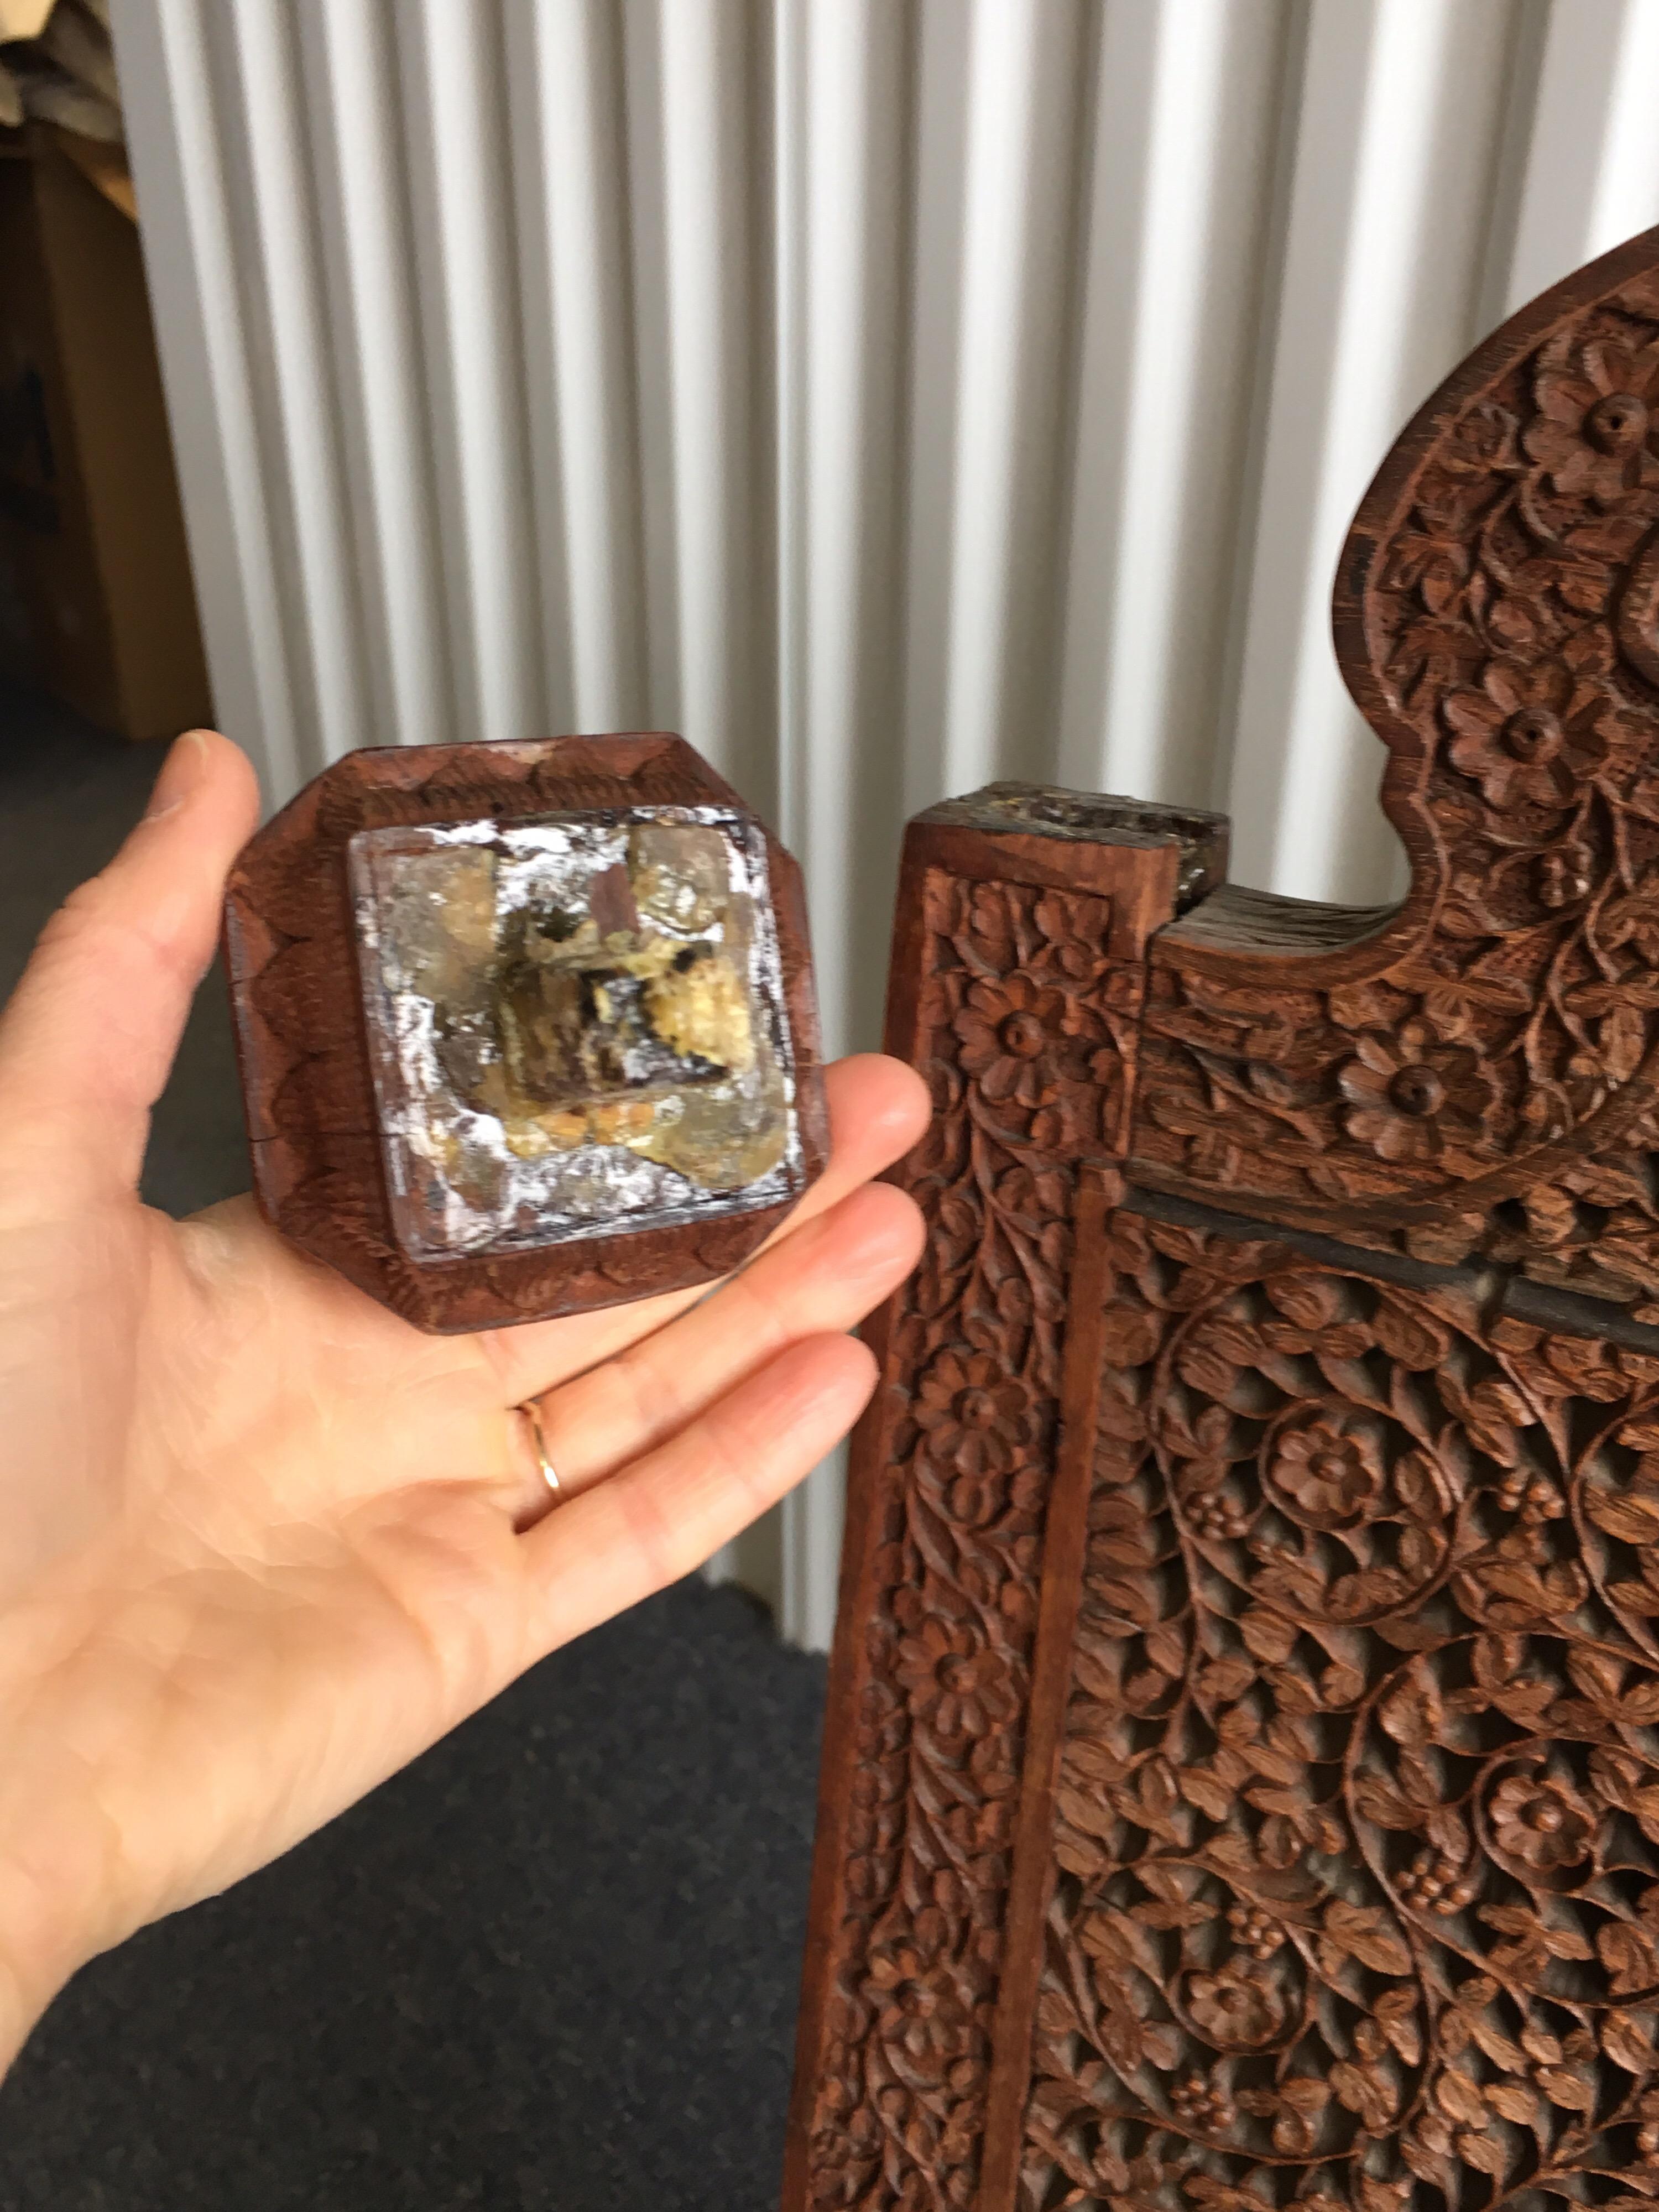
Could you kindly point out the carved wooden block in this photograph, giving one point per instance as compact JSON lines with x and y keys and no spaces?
{"x":524,"y":1028}
{"x":1240,"y":1783}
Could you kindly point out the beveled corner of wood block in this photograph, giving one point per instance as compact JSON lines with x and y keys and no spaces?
{"x":524,"y":1030}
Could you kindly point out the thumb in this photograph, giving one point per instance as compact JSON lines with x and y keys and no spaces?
{"x":90,"y":1033}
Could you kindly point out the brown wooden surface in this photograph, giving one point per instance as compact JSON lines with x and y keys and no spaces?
{"x":1021,"y":945}
{"x":1495,"y":616}
{"x":1241,"y":1782}
{"x":290,"y":952}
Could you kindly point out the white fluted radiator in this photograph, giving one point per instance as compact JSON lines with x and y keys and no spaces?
{"x":888,"y":394}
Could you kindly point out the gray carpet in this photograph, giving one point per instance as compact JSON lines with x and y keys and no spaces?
{"x":552,"y":1965}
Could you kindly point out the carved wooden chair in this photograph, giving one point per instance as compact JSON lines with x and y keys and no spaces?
{"x":1241,"y":1777}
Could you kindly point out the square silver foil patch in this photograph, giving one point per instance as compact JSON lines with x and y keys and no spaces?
{"x":577,"y":1026}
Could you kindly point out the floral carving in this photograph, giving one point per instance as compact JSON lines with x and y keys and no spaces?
{"x":1018,"y":1037}
{"x":1410,"y":1095}
{"x":1529,"y":735}
{"x":1475,"y":1076}
{"x":1340,"y":1885}
{"x":1356,"y":1898}
{"x":1328,"y":1466}
{"x":1592,"y":430}
{"x":1018,"y":1042}
{"x":927,"y":2006}
{"x":1564,"y":874}
{"x":1540,"y":1819}
{"x":976,"y":1415}
{"x":958,"y":1683}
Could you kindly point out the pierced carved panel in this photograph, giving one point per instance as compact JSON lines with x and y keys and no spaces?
{"x":1242,"y":1773}
{"x":1475,"y":1072}
{"x":1357,"y":1835}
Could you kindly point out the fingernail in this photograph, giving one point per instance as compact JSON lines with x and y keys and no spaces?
{"x":181,"y":771}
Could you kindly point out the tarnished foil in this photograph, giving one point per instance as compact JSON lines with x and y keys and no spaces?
{"x":577,"y":1025}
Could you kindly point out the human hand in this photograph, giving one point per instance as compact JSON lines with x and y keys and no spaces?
{"x":262,"y":1541}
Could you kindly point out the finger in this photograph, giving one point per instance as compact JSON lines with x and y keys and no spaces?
{"x":826,"y":1277}
{"x":670,"y":1511}
{"x":91,"y":1030}
{"x":878,"y":1108}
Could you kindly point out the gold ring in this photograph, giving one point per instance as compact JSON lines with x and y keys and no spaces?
{"x":549,"y":1473}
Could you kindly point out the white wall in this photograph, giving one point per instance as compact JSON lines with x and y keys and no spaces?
{"x":888,"y":394}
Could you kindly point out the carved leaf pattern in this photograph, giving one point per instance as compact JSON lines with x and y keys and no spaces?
{"x":1510,"y":618}
{"x":1022,"y":1057}
{"x":1356,"y":1838}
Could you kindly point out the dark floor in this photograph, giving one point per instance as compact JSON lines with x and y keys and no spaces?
{"x":551,"y":1965}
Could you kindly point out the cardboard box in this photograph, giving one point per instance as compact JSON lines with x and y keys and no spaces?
{"x":97,"y":605}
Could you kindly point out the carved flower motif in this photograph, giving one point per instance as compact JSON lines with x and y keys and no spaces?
{"x":837,"y":2114}
{"x":1409,"y":1096}
{"x":1330,"y":1467}
{"x":999,"y":928}
{"x":959,"y":2138}
{"x":1524,"y":736}
{"x":1590,"y":436}
{"x":1202,"y":2102}
{"x":975,"y":1413}
{"x":1234,"y":2008}
{"x":956,"y":1682}
{"x":1019,"y":1038}
{"x":924,"y":2008}
{"x":1541,"y":1819}
{"x":1073,"y":931}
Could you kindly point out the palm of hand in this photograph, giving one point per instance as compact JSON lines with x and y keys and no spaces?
{"x":264,"y":1541}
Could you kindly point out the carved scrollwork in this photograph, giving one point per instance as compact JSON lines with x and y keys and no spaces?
{"x":1020,"y":1045}
{"x":1306,"y":1611}
{"x":1357,"y":1833}
{"x":1476,"y":1072}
